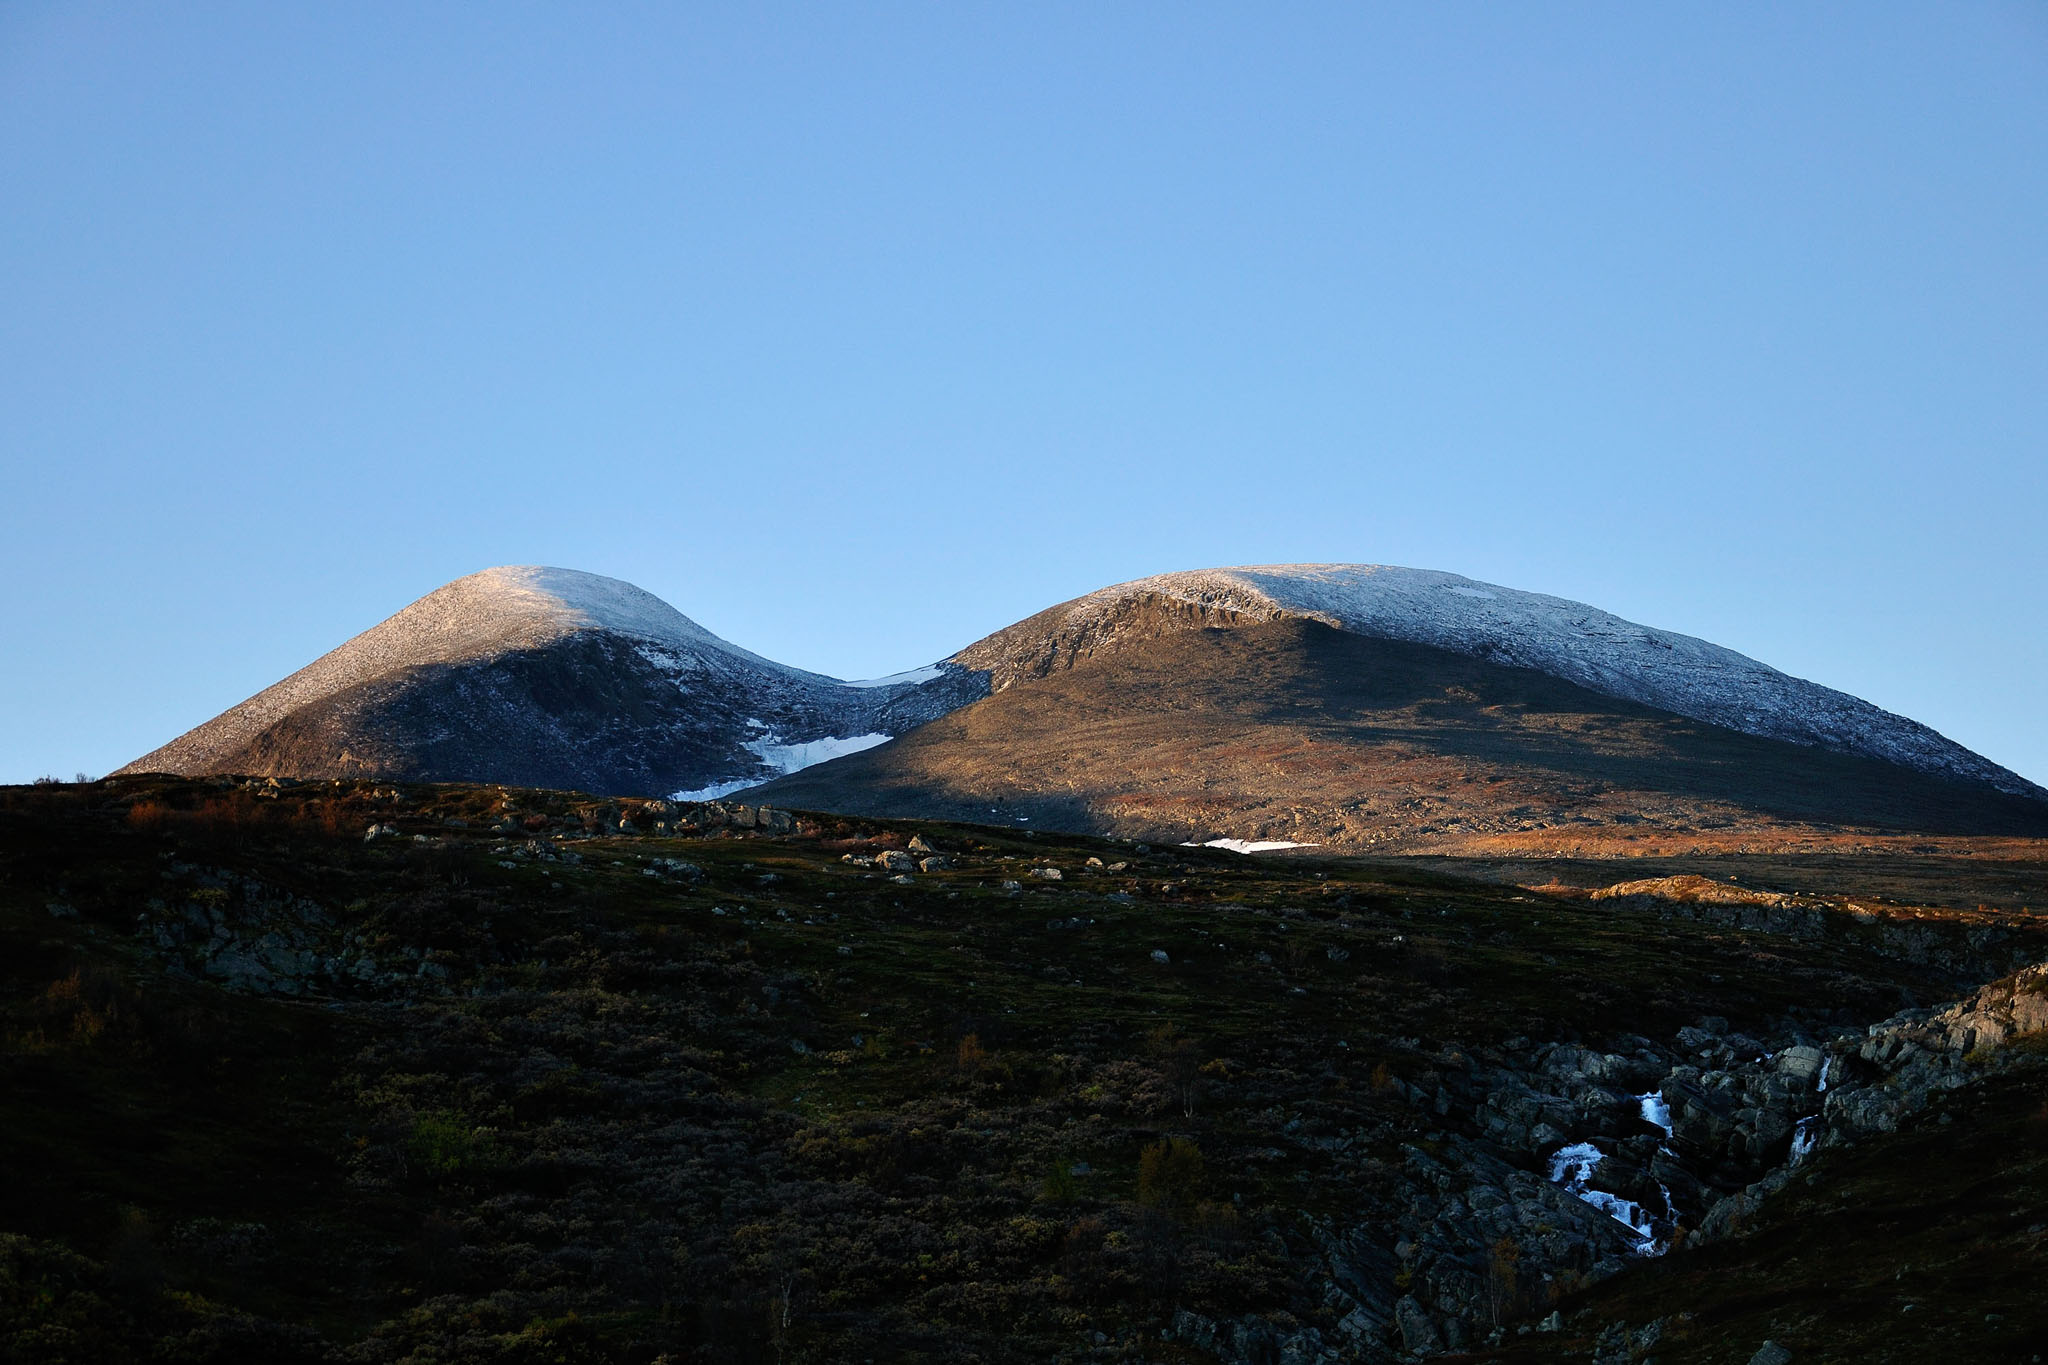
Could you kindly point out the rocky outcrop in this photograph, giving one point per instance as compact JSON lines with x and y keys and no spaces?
{"x":1560,"y":1164}
{"x":1869,"y":1083}
{"x":1894,"y":1070}
{"x":1967,"y":945}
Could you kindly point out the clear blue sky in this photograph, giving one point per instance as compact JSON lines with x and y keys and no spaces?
{"x":857,"y":331}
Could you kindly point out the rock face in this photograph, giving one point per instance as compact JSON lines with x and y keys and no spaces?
{"x":552,"y":678}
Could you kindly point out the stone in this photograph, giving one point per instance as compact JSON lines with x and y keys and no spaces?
{"x":1771,"y":1353}
{"x":1418,"y":1333}
{"x":934,"y":864}
{"x":920,"y":845}
{"x":895,"y":860}
{"x":1159,"y":955}
{"x":1047,"y":874}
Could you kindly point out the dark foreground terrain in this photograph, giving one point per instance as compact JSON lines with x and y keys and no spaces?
{"x":508,"y":1082}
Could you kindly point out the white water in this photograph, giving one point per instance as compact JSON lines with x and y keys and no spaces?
{"x":1655,"y":1111}
{"x":1805,"y":1137}
{"x":1822,"y":1084}
{"x":1572,"y":1167}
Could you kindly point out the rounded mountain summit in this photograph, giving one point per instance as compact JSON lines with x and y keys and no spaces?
{"x":1351,"y":706}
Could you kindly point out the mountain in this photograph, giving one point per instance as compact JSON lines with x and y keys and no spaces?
{"x":1402,"y":709}
{"x":1351,"y":706}
{"x":550,"y":677}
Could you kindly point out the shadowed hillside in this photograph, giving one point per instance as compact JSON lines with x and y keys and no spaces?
{"x":1292,"y":730}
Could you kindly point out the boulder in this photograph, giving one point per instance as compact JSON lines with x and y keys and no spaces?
{"x":895,"y":860}
{"x":1418,"y":1334}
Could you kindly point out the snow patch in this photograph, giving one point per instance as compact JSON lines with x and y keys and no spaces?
{"x":716,"y":790}
{"x":790,"y":758}
{"x":783,"y":759}
{"x":1250,"y":845}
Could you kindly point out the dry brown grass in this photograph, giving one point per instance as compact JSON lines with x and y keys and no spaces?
{"x":1295,"y":731}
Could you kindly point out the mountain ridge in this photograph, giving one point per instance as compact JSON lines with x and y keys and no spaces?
{"x":552,"y":677}
{"x":547,"y":676}
{"x":1291,"y":731}
{"x":1569,"y":640}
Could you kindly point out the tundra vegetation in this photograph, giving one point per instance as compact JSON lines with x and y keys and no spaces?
{"x":361,"y":1072}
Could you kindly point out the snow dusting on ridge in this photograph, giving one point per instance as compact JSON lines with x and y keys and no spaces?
{"x":514,"y":608}
{"x":474,"y":624}
{"x":1564,"y":639}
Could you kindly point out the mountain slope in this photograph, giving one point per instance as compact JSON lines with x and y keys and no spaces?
{"x":552,"y":677}
{"x":1292,"y":730}
{"x":1567,"y":640}
{"x":1178,"y":704}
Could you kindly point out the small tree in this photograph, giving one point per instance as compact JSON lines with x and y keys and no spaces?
{"x":1500,"y":1277}
{"x":1180,"y":1066}
{"x":1170,"y":1174}
{"x":971,"y":1054}
{"x":1184,"y":1073}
